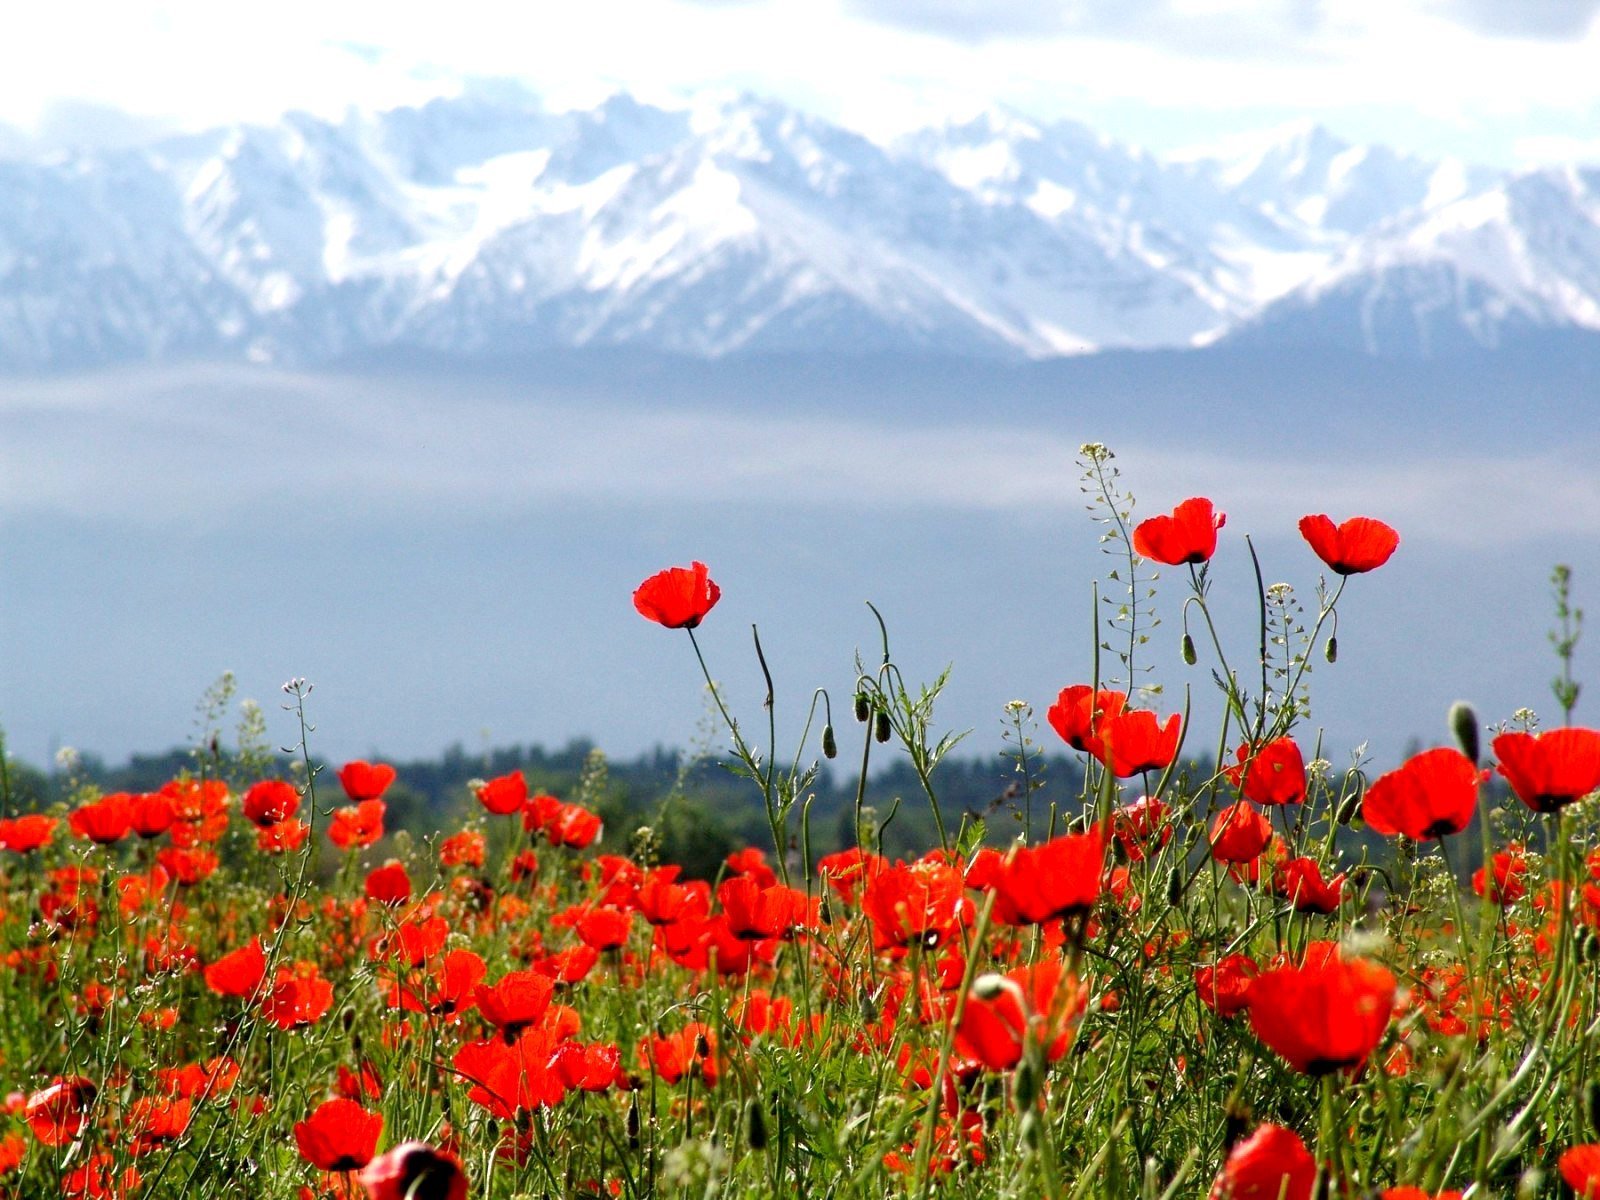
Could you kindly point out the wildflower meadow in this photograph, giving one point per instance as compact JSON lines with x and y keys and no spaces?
{"x":1236,"y":964}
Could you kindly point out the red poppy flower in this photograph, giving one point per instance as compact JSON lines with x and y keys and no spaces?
{"x":1358,"y":545}
{"x":364,"y":780}
{"x":1274,"y":774}
{"x":240,"y":972}
{"x":151,"y":815}
{"x":388,"y":884}
{"x":1580,"y":1167}
{"x":156,"y":1120}
{"x":678,"y":597}
{"x":1225,"y":987}
{"x":282,"y":837}
{"x":1271,"y":1164}
{"x":270,"y":802}
{"x":1510,"y":871}
{"x":26,"y":833}
{"x":845,"y":870}
{"x":589,"y":1067}
{"x":756,"y":913}
{"x":1136,"y":740}
{"x":339,"y":1136}
{"x":1141,"y":827}
{"x":518,"y":999}
{"x":1061,"y":878}
{"x":1431,"y":795}
{"x":1300,"y":880}
{"x":1079,"y":712}
{"x":1041,"y":1003}
{"x":605,"y":928}
{"x":751,"y":862}
{"x":56,"y":1114}
{"x":508,"y":1078}
{"x":1325,"y":1015}
{"x":13,"y":1149}
{"x":357,"y":824}
{"x":299,"y":996}
{"x":464,"y":849}
{"x":505,"y":794}
{"x":924,"y":902}
{"x":671,"y":1057}
{"x":1239,"y":833}
{"x":1416,"y":1193}
{"x":1550,"y":770}
{"x":105,"y":821}
{"x":1189,"y":535}
{"x":414,"y":1171}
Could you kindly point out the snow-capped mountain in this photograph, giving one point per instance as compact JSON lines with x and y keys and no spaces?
{"x":487,"y":223}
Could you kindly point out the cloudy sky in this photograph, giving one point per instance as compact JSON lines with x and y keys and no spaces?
{"x":1504,"y":81}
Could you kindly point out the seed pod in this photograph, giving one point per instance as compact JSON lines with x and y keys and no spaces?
{"x":830,"y":747}
{"x":755,"y":1122}
{"x":1464,"y":724}
{"x":863,"y":709}
{"x":1331,"y":650}
{"x":1189,"y":656}
{"x":881,"y":729}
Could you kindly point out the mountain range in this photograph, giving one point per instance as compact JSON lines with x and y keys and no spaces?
{"x":487,"y":224}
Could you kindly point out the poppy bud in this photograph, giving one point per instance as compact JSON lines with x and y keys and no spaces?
{"x":633,"y":1122}
{"x":1030,"y":1128}
{"x":1189,"y":656}
{"x":1591,"y":1097}
{"x":1174,"y":887}
{"x":1589,"y":948}
{"x":863,"y":709}
{"x":881,"y":729}
{"x":1352,"y":807}
{"x":1025,"y":1086}
{"x":1464,"y":724}
{"x":1235,"y":1120}
{"x":830,"y":747}
{"x":756,"y":1125}
{"x":1331,"y":650}
{"x":869,"y":1008}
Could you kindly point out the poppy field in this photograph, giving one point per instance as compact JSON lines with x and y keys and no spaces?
{"x":1227,"y":967}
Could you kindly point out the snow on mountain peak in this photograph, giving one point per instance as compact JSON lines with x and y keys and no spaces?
{"x":731,"y":222}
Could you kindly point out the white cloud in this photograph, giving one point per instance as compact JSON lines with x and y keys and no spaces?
{"x":1135,"y":68}
{"x":206,"y":444}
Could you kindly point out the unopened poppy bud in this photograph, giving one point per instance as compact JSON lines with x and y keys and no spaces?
{"x":1589,"y":948}
{"x":1189,"y":656}
{"x":1025,"y":1087}
{"x":988,"y":986}
{"x":1351,"y":807}
{"x":1030,"y":1126}
{"x":1464,"y":724}
{"x":830,"y":747}
{"x":755,"y":1125}
{"x":881,"y":729}
{"x":869,"y":1008}
{"x":1331,"y":650}
{"x":863,"y":709}
{"x":1174,"y":887}
{"x":633,"y":1122}
{"x":1591,"y":1102}
{"x":1235,"y":1120}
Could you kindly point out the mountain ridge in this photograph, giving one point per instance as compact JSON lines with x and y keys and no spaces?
{"x":487,"y":222}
